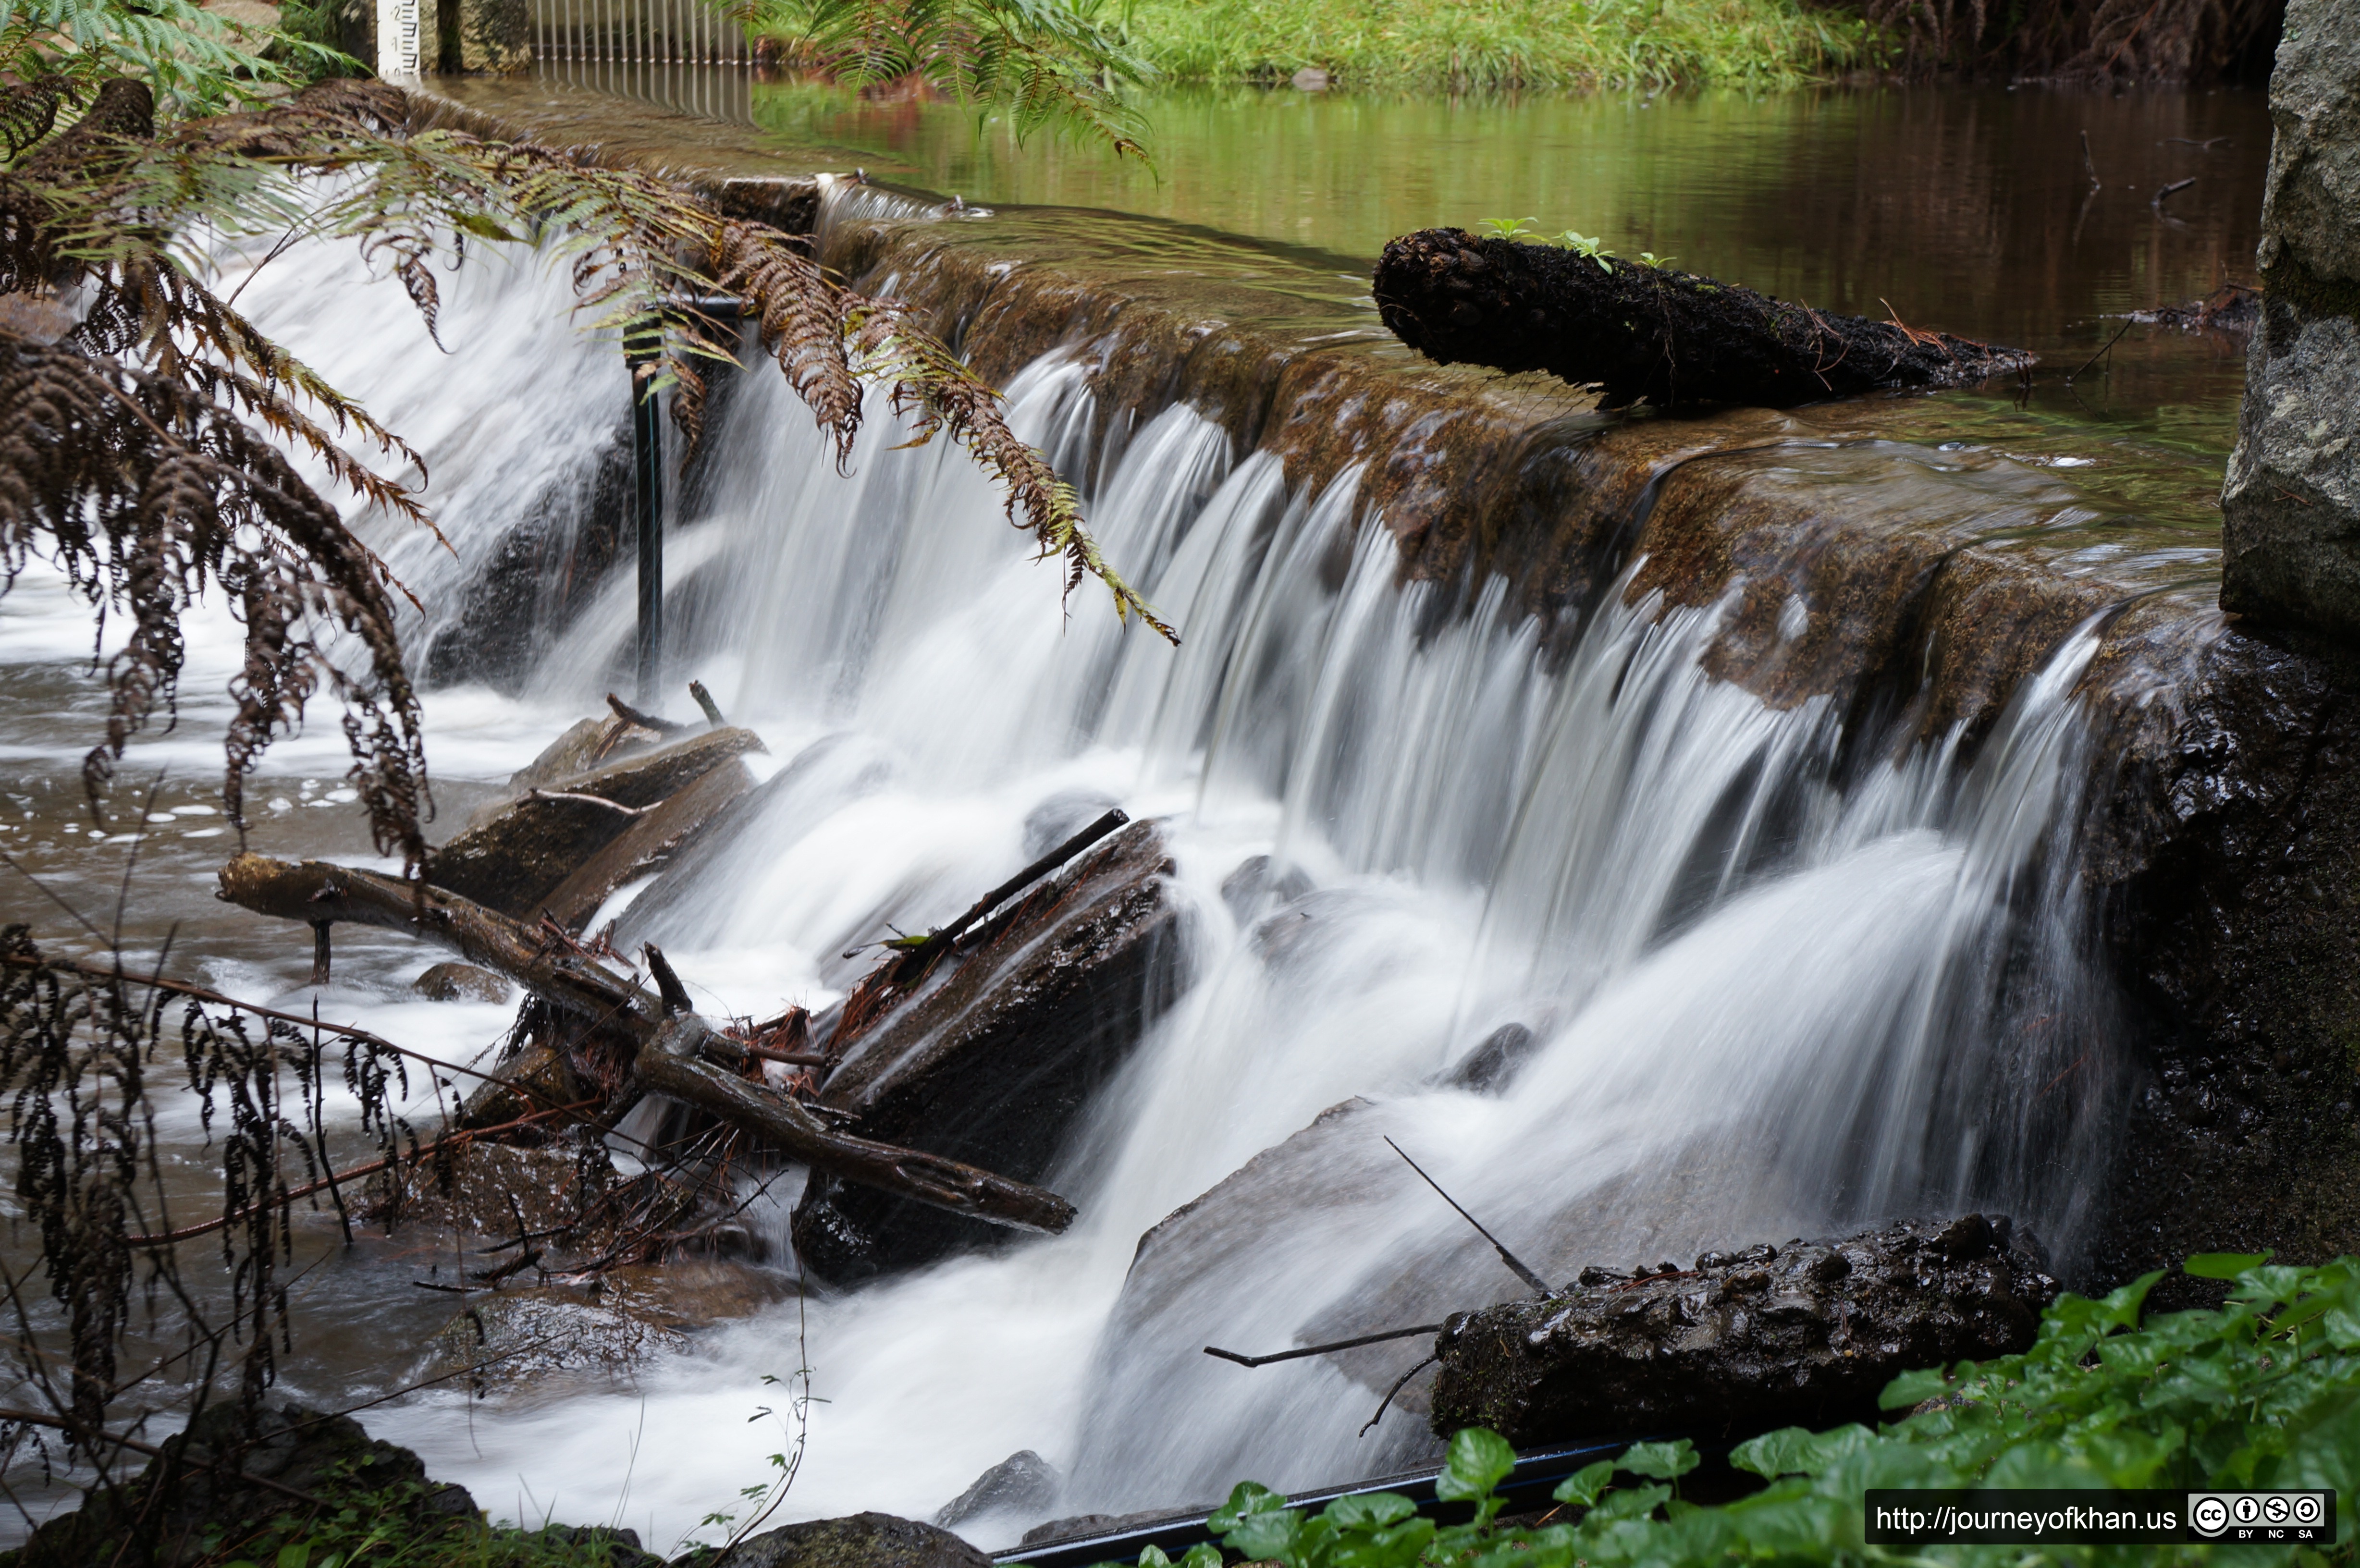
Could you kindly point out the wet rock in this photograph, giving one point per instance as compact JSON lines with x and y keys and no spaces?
{"x":483,"y":1188}
{"x":623,"y":1548}
{"x":329,"y":1457}
{"x":1081,"y":1525}
{"x":1023,"y":1481}
{"x":609,"y":1324}
{"x":1061,"y":816}
{"x":1806,"y":1334}
{"x":462,"y":983}
{"x":540,"y":576}
{"x":589,"y":742}
{"x":2290,"y":511}
{"x":1259,"y":884}
{"x":992,"y":1058}
{"x":862,"y":1540}
{"x":648,"y":843}
{"x":2224,"y":858}
{"x":536,"y":1077}
{"x":524,"y":852}
{"x":1495,"y":1063}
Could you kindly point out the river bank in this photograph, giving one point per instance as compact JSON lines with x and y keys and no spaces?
{"x":1455,"y":46}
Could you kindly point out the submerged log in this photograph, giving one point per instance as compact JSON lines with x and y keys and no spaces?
{"x":1652,"y":334}
{"x":668,"y":1042}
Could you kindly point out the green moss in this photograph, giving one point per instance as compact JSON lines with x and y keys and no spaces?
{"x":1514,"y":44}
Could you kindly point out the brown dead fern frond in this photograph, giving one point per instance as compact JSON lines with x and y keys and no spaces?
{"x":143,"y":491}
{"x":800,"y":319}
{"x":940,"y":396}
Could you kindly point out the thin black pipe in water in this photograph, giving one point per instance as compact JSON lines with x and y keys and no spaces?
{"x":642,"y":351}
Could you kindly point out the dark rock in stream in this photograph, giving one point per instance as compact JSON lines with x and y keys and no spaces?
{"x":540,"y":575}
{"x":1023,"y":1482}
{"x":1492,"y":1065}
{"x":992,"y":1058}
{"x":520,"y":1335}
{"x":297,"y":1449}
{"x":862,"y":1540}
{"x":2225,"y":860}
{"x":1807,"y":1333}
{"x":451,"y":982}
{"x":518,"y":857}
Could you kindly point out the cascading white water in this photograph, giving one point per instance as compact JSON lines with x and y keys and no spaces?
{"x":1773,"y":988}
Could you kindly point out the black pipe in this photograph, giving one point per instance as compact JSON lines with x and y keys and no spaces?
{"x":642,"y":352}
{"x":647,"y":515}
{"x":1527,"y":1487}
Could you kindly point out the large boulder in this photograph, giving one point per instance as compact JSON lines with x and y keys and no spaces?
{"x":2222,"y":853}
{"x":1801,"y":1334}
{"x":220,"y":1493}
{"x":993,"y":1056}
{"x":2290,"y":511}
{"x":861,"y":1540}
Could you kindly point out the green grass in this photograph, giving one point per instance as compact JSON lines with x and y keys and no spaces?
{"x":1501,"y":44}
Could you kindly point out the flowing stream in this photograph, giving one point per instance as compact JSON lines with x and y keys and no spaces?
{"x":1782,"y":974}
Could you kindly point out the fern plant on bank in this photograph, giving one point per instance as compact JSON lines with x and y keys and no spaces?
{"x":2262,"y":1392}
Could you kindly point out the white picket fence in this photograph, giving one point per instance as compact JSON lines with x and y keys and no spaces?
{"x":637,"y":33}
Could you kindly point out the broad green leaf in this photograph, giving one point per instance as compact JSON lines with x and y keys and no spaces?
{"x":1247,"y":1499}
{"x":1369,"y":1511}
{"x":1913,"y":1388}
{"x":1660,"y":1461}
{"x":1582,"y":1487}
{"x":2224,"y":1265}
{"x":1786,"y":1451}
{"x":1151,"y":1556}
{"x":1204,"y":1554}
{"x":1480,"y":1459}
{"x":1266,"y":1533}
{"x":1631,"y":1503}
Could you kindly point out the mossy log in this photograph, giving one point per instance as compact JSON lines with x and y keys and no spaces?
{"x":671,"y":1044}
{"x":1652,"y":334}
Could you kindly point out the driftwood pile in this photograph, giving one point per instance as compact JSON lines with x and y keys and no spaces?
{"x":1022,"y":1007}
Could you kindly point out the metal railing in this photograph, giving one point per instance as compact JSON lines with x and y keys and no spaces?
{"x":636,"y":32}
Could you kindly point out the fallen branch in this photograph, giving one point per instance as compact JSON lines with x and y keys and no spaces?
{"x":631,"y":715}
{"x":665,"y":1040}
{"x":1652,"y":334}
{"x":920,"y":957}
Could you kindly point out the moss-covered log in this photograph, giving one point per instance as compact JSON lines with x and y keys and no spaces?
{"x":1652,"y":334}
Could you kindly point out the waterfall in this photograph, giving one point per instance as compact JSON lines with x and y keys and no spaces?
{"x":1781,"y":975}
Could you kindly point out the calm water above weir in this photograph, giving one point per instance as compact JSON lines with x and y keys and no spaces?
{"x":1971,"y":210}
{"x":1791,"y":963}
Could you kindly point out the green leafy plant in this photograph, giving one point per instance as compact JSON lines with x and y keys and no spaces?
{"x":2263,"y":1391}
{"x":193,"y":60}
{"x":1651,"y":259}
{"x":1589,"y":246}
{"x":1509,"y":228}
{"x":1044,"y":63}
